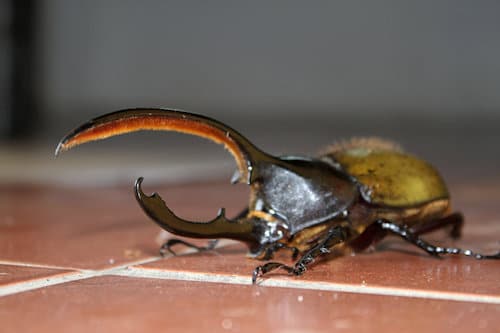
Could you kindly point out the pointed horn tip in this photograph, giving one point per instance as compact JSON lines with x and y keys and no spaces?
{"x":138,"y":182}
{"x":138,"y":190}
{"x":140,"y":195}
{"x":60,"y":148}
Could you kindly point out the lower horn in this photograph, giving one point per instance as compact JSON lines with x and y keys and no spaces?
{"x":220,"y":227}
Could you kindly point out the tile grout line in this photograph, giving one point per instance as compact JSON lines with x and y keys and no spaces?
{"x":78,"y":274}
{"x":126,"y":270}
{"x":55,"y":267}
{"x":307,"y":285}
{"x":64,"y":277}
{"x":33,"y":265}
{"x":15,"y":288}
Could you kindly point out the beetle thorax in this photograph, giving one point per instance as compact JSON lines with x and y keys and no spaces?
{"x":300,"y":194}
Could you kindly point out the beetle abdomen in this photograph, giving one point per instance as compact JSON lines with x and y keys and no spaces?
{"x":393,"y":178}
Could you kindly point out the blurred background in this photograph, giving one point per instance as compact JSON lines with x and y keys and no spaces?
{"x":292,"y":76}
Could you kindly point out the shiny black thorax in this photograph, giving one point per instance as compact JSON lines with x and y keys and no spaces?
{"x":302,"y":193}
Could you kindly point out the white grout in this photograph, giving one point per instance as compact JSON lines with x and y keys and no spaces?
{"x":310,"y":285}
{"x":63,"y":277}
{"x":15,"y":288}
{"x":33,"y":265}
{"x":127,"y":270}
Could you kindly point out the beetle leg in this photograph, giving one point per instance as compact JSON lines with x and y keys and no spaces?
{"x":412,"y":237}
{"x":335,"y":235}
{"x":167,"y":246}
{"x":374,"y":233}
{"x":268,"y":267}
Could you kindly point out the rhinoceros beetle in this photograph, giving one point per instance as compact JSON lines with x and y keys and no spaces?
{"x":355,"y":193}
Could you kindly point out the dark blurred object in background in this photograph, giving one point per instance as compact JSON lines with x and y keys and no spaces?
{"x":17,"y":68}
{"x":5,"y":55}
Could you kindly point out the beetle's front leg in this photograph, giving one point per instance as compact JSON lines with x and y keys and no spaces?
{"x":336,"y":235}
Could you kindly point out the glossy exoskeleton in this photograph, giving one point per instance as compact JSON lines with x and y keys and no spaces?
{"x":354,"y":194}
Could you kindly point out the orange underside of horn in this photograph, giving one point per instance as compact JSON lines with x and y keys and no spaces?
{"x":157,"y":123}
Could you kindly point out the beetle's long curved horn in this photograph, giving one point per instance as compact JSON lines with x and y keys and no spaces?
{"x":220,"y":227}
{"x":132,"y":120}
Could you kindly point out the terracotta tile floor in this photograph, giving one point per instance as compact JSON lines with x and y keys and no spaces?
{"x":85,"y":259}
